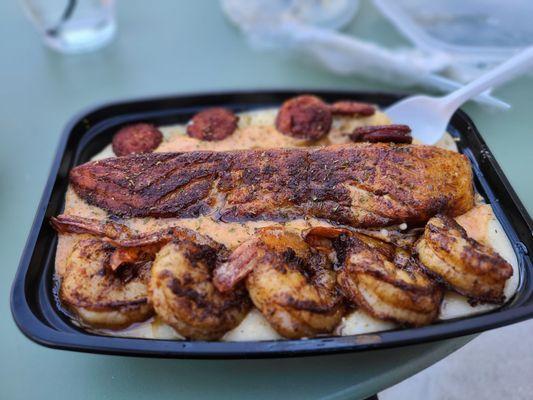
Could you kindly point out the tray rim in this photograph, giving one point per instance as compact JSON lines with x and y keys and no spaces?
{"x":39,"y":332}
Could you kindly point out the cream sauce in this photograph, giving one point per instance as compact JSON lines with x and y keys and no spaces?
{"x":256,"y":130}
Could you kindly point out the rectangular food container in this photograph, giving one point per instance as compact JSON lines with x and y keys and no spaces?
{"x":34,"y":303}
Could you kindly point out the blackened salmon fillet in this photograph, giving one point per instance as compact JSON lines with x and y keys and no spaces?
{"x":362,"y":185}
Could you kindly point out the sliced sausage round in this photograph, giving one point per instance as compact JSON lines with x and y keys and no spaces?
{"x":212,"y":124}
{"x":304,"y":117}
{"x":136,"y":138}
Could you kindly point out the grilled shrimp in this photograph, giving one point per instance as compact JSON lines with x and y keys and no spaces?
{"x":180,"y":287}
{"x":384,"y":280}
{"x":390,"y":287}
{"x":183,"y":295}
{"x":100,"y":297}
{"x":292,"y":284}
{"x":463,"y":264}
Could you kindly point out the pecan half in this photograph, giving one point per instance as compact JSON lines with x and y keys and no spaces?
{"x":382,"y":133}
{"x":352,"y":108}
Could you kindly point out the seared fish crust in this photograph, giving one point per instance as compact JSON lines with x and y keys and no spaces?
{"x":463,"y":264}
{"x":362,"y":185}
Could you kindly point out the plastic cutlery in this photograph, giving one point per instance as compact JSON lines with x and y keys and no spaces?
{"x":429,"y":116}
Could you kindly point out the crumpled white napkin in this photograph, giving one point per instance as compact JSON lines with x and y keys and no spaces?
{"x":310,"y":27}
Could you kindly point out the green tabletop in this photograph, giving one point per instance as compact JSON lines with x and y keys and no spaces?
{"x":169,"y":47}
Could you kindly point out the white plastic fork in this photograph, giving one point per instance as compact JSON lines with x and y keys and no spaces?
{"x":429,"y":116}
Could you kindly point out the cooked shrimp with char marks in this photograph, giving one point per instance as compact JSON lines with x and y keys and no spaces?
{"x":463,"y":264}
{"x":99,"y":296}
{"x":292,"y":284}
{"x":183,"y":294}
{"x":382,"y":279}
{"x":181,"y":288}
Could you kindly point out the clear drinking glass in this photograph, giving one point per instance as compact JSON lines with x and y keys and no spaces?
{"x":73,"y":26}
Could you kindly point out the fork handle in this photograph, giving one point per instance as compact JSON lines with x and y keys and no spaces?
{"x":504,"y":72}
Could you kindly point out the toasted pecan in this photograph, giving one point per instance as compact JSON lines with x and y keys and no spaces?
{"x":382,"y":133}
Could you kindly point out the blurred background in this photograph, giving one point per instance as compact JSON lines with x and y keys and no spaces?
{"x":60,"y":57}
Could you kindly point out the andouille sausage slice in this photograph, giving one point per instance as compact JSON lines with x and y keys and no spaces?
{"x":352,"y":108}
{"x":304,"y":117}
{"x":136,"y":138}
{"x":212,"y":124}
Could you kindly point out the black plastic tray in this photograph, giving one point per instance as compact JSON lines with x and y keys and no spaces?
{"x":33,"y":301}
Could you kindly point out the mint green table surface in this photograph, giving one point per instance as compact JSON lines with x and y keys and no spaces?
{"x":167,"y":47}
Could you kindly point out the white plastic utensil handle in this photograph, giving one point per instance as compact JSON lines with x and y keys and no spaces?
{"x":504,"y":72}
{"x":342,"y":52}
